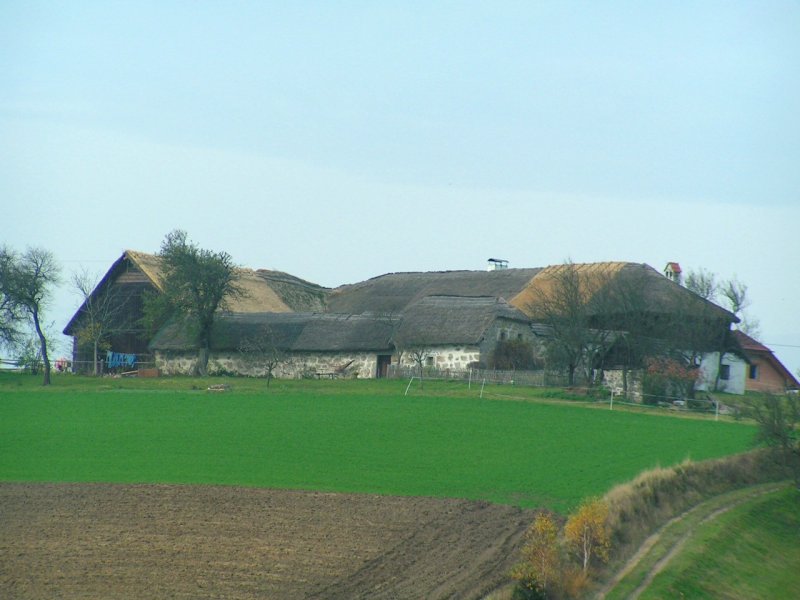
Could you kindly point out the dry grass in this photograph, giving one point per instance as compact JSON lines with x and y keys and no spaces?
{"x":641,"y":506}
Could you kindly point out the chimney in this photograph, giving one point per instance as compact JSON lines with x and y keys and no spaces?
{"x":497,"y":264}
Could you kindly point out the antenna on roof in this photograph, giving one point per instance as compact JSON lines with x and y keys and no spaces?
{"x":497,"y":264}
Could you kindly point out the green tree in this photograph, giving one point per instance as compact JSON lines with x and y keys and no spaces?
{"x":196,"y":283}
{"x":27,"y":283}
{"x":10,"y":314}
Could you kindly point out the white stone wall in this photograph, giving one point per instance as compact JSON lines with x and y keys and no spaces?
{"x":612,"y":379}
{"x":455,"y":358}
{"x":300,"y":364}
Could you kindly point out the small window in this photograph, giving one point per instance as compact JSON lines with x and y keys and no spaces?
{"x":503,"y":336}
{"x":519,"y":337}
{"x":753,"y":371}
{"x":725,"y":372}
{"x":429,"y":361}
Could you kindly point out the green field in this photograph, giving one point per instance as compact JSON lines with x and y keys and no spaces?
{"x":515,"y":446}
{"x":750,"y":552}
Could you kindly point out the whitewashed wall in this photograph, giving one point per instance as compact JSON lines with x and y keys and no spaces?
{"x":709,"y":366}
{"x":301,"y":364}
{"x":455,"y":358}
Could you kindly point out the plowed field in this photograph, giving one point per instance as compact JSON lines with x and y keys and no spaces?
{"x":146,"y":541}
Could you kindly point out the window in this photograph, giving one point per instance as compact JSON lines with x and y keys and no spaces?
{"x":503,"y":335}
{"x":753,"y":371}
{"x":429,"y":361}
{"x":725,"y":372}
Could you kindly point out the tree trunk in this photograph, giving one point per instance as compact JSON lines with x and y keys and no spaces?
{"x":94,"y":368}
{"x":201,"y":367}
{"x":43,"y":343}
{"x":625,"y":382}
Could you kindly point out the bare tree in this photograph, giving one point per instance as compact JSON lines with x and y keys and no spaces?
{"x":735,"y":293}
{"x":103,"y":313}
{"x":28,"y":280}
{"x":261,"y":353}
{"x":419,"y":355}
{"x":631,"y":316}
{"x":703,"y":283}
{"x":567,"y":302}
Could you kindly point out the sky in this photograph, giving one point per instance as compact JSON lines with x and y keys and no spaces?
{"x":338,"y":141}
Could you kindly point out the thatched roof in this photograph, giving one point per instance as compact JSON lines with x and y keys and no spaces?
{"x":433,"y":321}
{"x":297,"y":294}
{"x":659,"y":295}
{"x":392,"y":293}
{"x":309,"y":332}
{"x":546,"y":280}
{"x":149,"y":264}
{"x":354,"y":333}
{"x":440,"y":320}
{"x":433,"y":308}
{"x":265,"y":291}
{"x":230,"y":330}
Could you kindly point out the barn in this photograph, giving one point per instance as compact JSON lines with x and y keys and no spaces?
{"x":119,"y":297}
{"x":443,"y":332}
{"x":446,"y":320}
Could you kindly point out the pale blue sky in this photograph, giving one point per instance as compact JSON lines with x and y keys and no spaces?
{"x":342,"y":140}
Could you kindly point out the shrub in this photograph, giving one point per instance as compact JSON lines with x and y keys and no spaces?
{"x":30,"y":356}
{"x":524,"y":592}
{"x":511,"y":355}
{"x":541,"y":558}
{"x":666,"y":379}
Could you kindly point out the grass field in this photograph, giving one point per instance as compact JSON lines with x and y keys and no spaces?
{"x":750,"y":552}
{"x":515,"y":446}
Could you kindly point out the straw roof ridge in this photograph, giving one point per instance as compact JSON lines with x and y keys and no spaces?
{"x":393,"y":292}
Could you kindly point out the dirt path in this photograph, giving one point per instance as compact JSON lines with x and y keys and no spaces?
{"x":143,"y":541}
{"x":676,"y":546}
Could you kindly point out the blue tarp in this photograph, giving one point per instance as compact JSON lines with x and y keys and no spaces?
{"x":118,"y":359}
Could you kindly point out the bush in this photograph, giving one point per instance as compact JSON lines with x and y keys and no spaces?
{"x":509,"y":355}
{"x":30,"y":356}
{"x":525,"y":592}
{"x":667,"y":379}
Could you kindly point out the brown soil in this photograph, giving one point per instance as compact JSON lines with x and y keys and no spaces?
{"x":145,"y":541}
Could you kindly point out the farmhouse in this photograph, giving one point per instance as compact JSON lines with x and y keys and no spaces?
{"x":764,"y":372}
{"x":444,"y":332}
{"x":445,"y":320}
